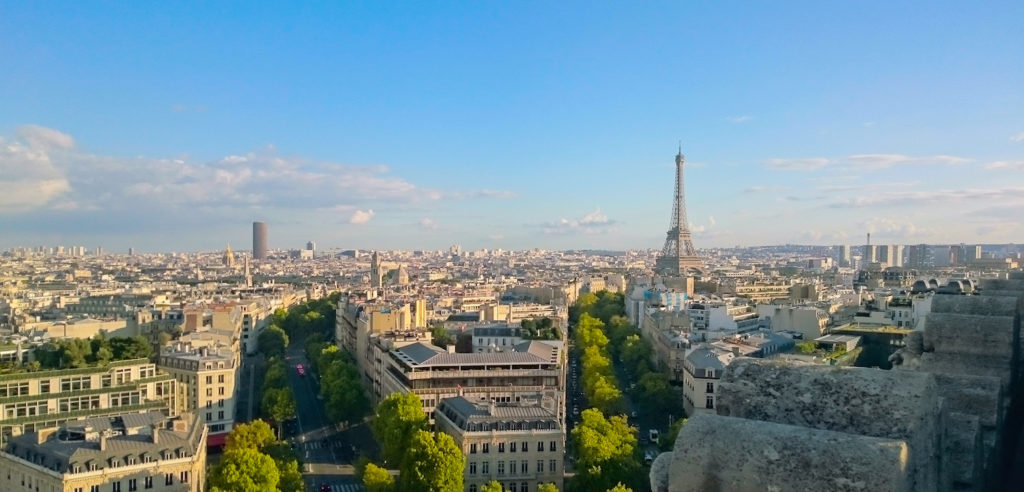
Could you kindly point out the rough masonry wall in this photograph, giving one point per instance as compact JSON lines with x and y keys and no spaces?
{"x":715,"y":453}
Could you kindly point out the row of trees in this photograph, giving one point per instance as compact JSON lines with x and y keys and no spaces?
{"x":340,"y":384}
{"x":426,"y":460}
{"x":278,"y":401}
{"x":83,"y":352}
{"x":311,"y":318}
{"x":255,"y":461}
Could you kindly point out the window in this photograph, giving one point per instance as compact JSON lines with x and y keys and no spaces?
{"x":526,"y":446}
{"x":540,"y":446}
{"x":512,"y":487}
{"x":487,"y":448}
{"x":94,"y":488}
{"x":711,"y":388}
{"x":710,"y":403}
{"x":486,"y":467}
{"x":540,"y":466}
{"x":472,"y":448}
{"x":501,"y":447}
{"x":552,"y":465}
{"x":472,"y":468}
{"x":209,"y":379}
{"x":209,"y":391}
{"x":168,"y":479}
{"x":209,"y":416}
{"x":524,"y":467}
{"x":552,"y":446}
{"x":524,"y":487}
{"x":220,"y":378}
{"x":115,"y":487}
{"x":501,"y":467}
{"x":220,"y":391}
{"x":44,"y":387}
{"x":184,"y":477}
{"x":209,"y":403}
{"x":220,"y":415}
{"x":472,"y":487}
{"x":148,"y":482}
{"x":512,"y":447}
{"x":220,"y":403}
{"x":133,"y":485}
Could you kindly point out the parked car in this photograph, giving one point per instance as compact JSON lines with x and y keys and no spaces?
{"x":301,"y":370}
{"x":653,"y":435}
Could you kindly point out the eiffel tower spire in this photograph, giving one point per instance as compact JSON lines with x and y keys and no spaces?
{"x":678,"y":256}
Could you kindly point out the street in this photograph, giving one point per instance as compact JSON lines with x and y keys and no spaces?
{"x":319,"y":444}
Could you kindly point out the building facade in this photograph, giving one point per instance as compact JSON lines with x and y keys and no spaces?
{"x":35,"y":400}
{"x":521,"y":445}
{"x":121,"y":453}
{"x":703,"y":368}
{"x":211,"y":375}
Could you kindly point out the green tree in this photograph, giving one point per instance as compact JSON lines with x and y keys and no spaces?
{"x":245,"y":470}
{"x":399,"y":417}
{"x":290,"y":476}
{"x":279,"y":405}
{"x":600,"y":440}
{"x":276,"y":374}
{"x":432,"y":461}
{"x":806,"y":347}
{"x":492,"y":486}
{"x":131,"y":348}
{"x":668,"y":440}
{"x":440,"y":337}
{"x":547,"y":487}
{"x":620,"y":488}
{"x":272,"y":341}
{"x":377,"y":479}
{"x":255,"y":435}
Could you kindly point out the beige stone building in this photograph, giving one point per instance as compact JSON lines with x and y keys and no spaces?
{"x":703,"y":368}
{"x":519,"y":444}
{"x":33,"y":400}
{"x":132,"y":452}
{"x":210,"y":374}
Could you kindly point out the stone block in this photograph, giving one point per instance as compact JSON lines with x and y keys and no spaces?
{"x":724,"y":454}
{"x":962,"y":455}
{"x":968,"y":365}
{"x":970,"y":334}
{"x":897,"y":405}
{"x":660,"y":472}
{"x":979,"y":305}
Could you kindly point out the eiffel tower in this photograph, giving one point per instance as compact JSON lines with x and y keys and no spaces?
{"x":678,"y":256}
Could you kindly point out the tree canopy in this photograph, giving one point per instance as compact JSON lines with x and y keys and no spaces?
{"x":399,"y":417}
{"x":254,"y":435}
{"x":245,"y":470}
{"x":83,"y":352}
{"x":377,"y":479}
{"x":432,"y":461}
{"x":540,"y":329}
{"x":272,"y":341}
{"x":492,"y":486}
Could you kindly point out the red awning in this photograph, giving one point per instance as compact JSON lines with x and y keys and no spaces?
{"x":216,"y":440}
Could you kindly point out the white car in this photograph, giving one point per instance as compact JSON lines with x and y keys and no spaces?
{"x":653,"y":435}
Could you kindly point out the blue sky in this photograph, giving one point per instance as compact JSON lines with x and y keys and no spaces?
{"x":509,"y":125}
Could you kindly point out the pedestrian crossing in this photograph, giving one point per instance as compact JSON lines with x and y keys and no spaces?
{"x":345,"y":487}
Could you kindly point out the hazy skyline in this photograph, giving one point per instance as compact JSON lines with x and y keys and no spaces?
{"x":416,"y":126}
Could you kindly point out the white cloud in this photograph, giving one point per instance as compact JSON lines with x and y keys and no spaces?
{"x":977,"y":195}
{"x":888,"y":228}
{"x":595,"y":222}
{"x":428,"y":223}
{"x":1018,"y":165}
{"x":712,"y":221}
{"x":360,"y":217}
{"x":40,"y":137}
{"x":880,"y":161}
{"x":739,"y":119}
{"x":1018,"y":137}
{"x":807,"y":164}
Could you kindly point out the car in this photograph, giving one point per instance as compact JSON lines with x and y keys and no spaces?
{"x":648,"y":458}
{"x":325,"y":488}
{"x":653,"y":435}
{"x":632,"y":414}
{"x":301,"y":370}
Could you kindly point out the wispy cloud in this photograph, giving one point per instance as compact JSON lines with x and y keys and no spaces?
{"x":595,"y":222}
{"x":903,"y":198}
{"x":1018,"y":137}
{"x":361,"y":216}
{"x":1017,"y":165}
{"x":739,"y":119}
{"x":880,"y":161}
{"x":428,"y":224}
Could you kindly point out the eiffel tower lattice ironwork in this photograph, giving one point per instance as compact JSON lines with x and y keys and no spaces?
{"x":678,"y":256}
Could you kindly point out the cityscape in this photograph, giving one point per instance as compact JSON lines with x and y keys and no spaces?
{"x":344,"y":248}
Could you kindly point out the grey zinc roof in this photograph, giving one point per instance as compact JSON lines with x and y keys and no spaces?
{"x":422,"y":354}
{"x":705,"y":358}
{"x":461,"y":411}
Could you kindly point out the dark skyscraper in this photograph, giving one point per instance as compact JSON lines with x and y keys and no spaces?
{"x":259,"y":240}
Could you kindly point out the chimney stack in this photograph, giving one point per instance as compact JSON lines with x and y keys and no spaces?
{"x":103,"y":441}
{"x":156,"y":429}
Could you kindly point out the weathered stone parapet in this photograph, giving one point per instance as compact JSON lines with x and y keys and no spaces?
{"x":976,"y":305}
{"x":963,"y":458}
{"x":902,"y":405}
{"x":971,"y":334}
{"x":660,"y":472}
{"x":724,"y":454}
